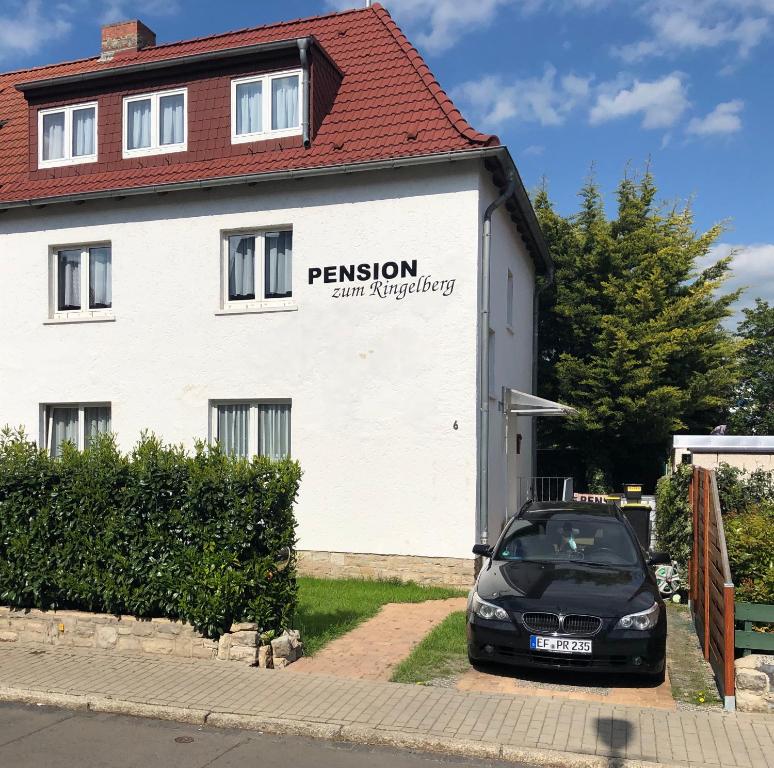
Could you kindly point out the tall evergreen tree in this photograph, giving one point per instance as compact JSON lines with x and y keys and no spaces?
{"x":754,"y":411}
{"x":630,"y":334}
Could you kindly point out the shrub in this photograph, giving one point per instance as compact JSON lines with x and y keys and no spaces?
{"x":747,"y":505}
{"x":158,"y":533}
{"x":674,"y":527}
{"x":750,"y":542}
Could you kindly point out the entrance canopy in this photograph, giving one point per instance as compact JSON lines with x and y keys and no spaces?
{"x":523,"y":404}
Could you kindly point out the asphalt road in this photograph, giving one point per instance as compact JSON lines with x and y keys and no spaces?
{"x":39,"y":737}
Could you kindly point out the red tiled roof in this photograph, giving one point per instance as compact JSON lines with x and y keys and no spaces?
{"x":387,"y":92}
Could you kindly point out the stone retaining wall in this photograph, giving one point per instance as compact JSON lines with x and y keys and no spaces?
{"x":755,"y":683}
{"x":441,"y":571}
{"x":128,"y":634}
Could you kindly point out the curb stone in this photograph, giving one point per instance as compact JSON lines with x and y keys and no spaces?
{"x":545,"y":758}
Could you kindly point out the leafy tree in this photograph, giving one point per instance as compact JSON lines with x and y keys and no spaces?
{"x":754,"y":411}
{"x":630,"y":334}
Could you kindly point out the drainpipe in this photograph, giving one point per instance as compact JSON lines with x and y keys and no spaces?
{"x":483,"y":374}
{"x":303,"y":49}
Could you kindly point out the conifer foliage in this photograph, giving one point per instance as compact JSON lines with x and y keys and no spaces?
{"x":754,"y":411}
{"x":630,"y":334}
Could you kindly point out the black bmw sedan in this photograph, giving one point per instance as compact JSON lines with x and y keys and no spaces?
{"x":567,"y":585}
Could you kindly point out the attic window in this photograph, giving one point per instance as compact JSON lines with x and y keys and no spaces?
{"x":155,"y":123}
{"x":266,"y":106}
{"x":67,"y":135}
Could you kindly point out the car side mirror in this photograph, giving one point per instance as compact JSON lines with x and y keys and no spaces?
{"x":659,"y":558}
{"x":484,"y":550}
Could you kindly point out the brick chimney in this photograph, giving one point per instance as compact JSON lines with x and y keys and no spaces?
{"x":126,"y":36}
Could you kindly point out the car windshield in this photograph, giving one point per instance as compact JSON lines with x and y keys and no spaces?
{"x":559,"y":538}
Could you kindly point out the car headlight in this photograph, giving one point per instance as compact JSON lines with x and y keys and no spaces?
{"x":485,"y":610}
{"x":642,"y":620}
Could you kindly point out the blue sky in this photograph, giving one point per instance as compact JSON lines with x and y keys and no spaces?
{"x":565,"y":83}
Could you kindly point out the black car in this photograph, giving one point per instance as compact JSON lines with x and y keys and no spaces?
{"x":567,"y":585}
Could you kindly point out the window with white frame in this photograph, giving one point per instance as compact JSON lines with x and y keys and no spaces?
{"x":257,"y":269}
{"x":156,"y":123}
{"x":67,"y":135}
{"x":252,"y":427}
{"x":76,"y":423}
{"x":509,"y":304}
{"x":266,"y":106}
{"x":81,"y":281}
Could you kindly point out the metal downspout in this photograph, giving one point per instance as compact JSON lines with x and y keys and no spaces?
{"x":483,"y":374}
{"x":303,"y":49}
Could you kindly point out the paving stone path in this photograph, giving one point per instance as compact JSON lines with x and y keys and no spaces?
{"x":372,"y":650}
{"x":532,"y":729}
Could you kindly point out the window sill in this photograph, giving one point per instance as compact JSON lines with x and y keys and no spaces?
{"x":84,"y":318}
{"x":257,"y":309}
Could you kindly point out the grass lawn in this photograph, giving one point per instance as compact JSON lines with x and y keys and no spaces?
{"x":442,"y":653}
{"x":328,"y":608}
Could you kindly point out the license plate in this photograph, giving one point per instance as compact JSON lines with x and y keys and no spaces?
{"x":559,"y":644}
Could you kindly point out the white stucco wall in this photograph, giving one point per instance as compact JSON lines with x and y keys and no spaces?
{"x":513,"y":359}
{"x":376,"y":384}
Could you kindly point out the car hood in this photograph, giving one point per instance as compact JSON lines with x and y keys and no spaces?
{"x":566,"y":587}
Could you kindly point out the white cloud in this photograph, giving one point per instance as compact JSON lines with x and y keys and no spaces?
{"x":120,"y":10}
{"x":723,"y":119}
{"x":533,"y":150}
{"x":437,"y":25}
{"x":690,"y":25}
{"x":27,"y":28}
{"x":752,"y":268}
{"x":547,"y":100}
{"x":661,"y":103}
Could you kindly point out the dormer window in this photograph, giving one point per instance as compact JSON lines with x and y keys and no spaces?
{"x":266,"y":106}
{"x":67,"y":135}
{"x":155,"y":123}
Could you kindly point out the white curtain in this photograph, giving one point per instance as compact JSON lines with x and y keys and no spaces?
{"x":97,"y":422}
{"x":100,"y":278}
{"x":284,"y":102}
{"x":279,"y":264}
{"x":241,"y":267}
{"x":249,"y":108}
{"x":274,"y":431}
{"x":69,"y":280}
{"x":233,"y":423}
{"x":63,"y":426}
{"x":172,"y":119}
{"x":138,"y":124}
{"x":53,"y":136}
{"x":83,"y":132}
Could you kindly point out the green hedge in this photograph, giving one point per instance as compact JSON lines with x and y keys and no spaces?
{"x":747,"y":504}
{"x":674,"y":527}
{"x":158,"y":533}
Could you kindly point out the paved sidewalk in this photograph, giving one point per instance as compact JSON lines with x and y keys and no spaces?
{"x":372,"y":650}
{"x":540,"y":731}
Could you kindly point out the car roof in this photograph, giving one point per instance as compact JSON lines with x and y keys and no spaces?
{"x":542,"y":510}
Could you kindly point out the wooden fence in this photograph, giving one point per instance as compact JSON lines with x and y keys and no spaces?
{"x":711,"y":587}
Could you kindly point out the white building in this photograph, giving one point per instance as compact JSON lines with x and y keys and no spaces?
{"x":746,"y":452}
{"x":276,"y":238}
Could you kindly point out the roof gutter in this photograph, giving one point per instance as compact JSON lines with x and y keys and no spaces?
{"x":166,"y":64}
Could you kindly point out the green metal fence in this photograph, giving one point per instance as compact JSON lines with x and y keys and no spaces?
{"x":747,"y":639}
